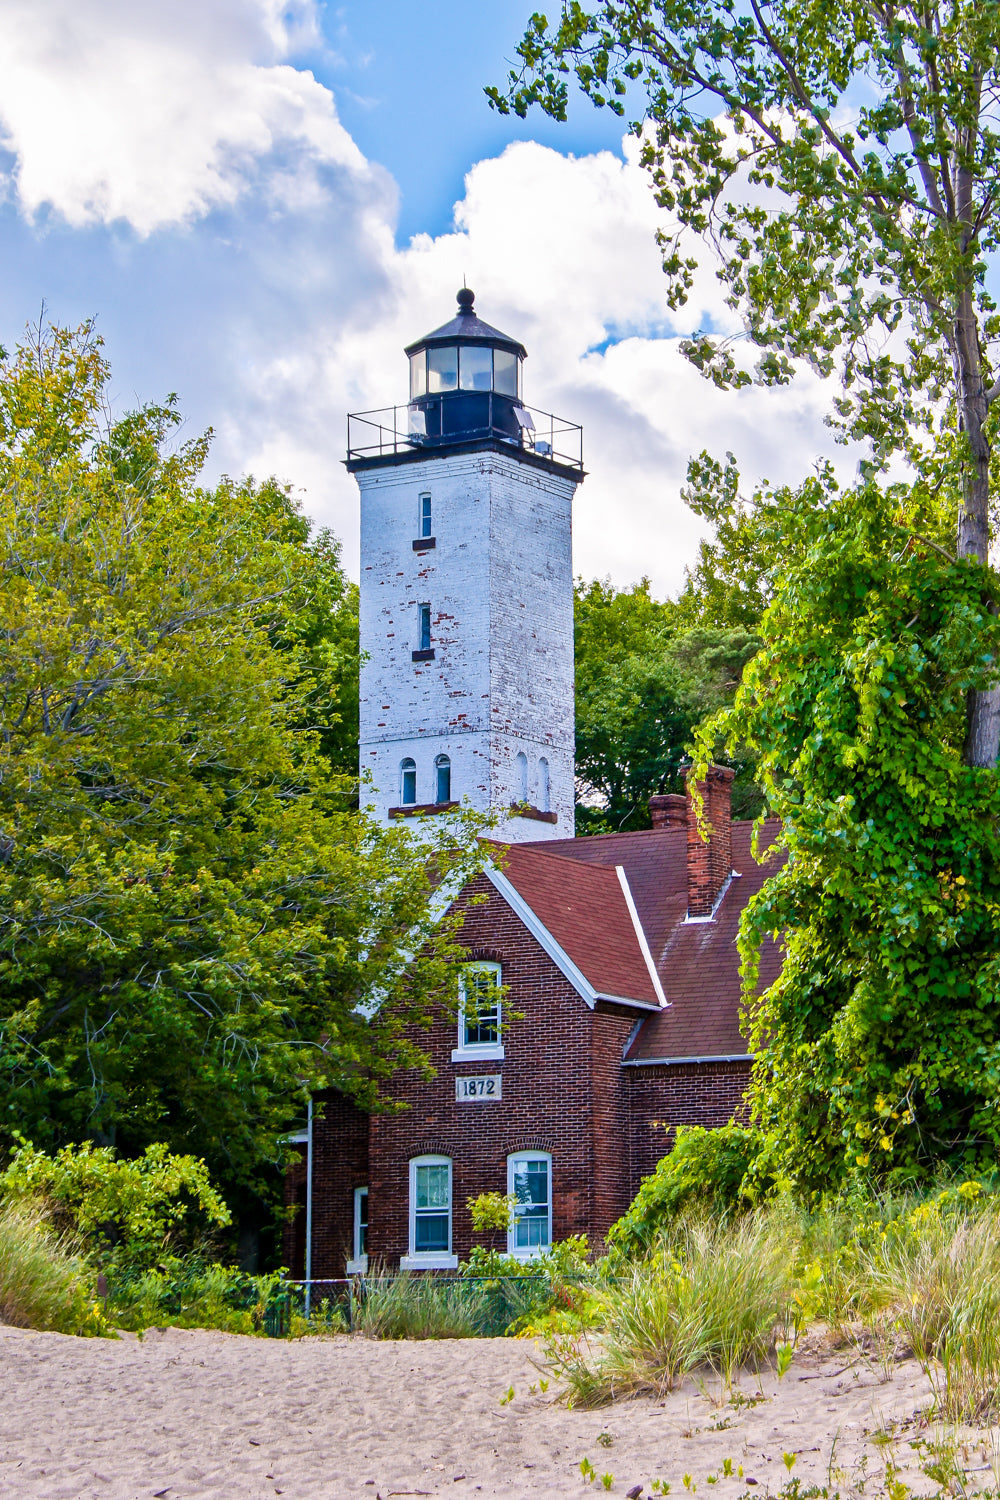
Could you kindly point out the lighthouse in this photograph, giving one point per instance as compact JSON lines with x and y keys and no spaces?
{"x":466,"y":607}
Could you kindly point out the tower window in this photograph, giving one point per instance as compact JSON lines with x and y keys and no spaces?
{"x":425,"y":516}
{"x":521,"y":776}
{"x":425,"y":628}
{"x":544,"y":792}
{"x":408,"y":783}
{"x":443,"y":768}
{"x":418,"y":375}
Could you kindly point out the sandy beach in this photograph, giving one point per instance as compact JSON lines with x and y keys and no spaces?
{"x":193,"y":1415}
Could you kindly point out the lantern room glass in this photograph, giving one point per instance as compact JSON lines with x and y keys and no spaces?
{"x":475,"y":368}
{"x":418,"y":375}
{"x":506,"y":373}
{"x":442,"y":370}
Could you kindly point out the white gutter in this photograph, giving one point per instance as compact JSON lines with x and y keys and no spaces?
{"x":673,"y":1062}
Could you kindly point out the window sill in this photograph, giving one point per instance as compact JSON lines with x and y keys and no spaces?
{"x":535,"y":1253}
{"x":425,"y":655}
{"x":439,"y":1262}
{"x":424,"y":543}
{"x":525,"y":810}
{"x":357,"y":1267}
{"x":478,"y":1054}
{"x":421,"y":809}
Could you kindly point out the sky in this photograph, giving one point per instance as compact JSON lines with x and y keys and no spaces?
{"x":262,"y":202}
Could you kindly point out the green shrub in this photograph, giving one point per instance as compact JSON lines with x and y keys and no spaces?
{"x":190,"y":1292}
{"x":44,"y":1282}
{"x":705,"y":1167}
{"x":140,"y":1204}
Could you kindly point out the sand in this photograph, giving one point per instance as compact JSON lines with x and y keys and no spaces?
{"x":188,"y":1415}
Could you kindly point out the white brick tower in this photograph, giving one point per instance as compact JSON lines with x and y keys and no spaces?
{"x":467,"y":589}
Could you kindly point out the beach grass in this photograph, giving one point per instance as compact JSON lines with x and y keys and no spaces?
{"x":45,"y":1282}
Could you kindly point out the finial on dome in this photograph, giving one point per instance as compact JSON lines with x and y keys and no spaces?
{"x":466,"y":298}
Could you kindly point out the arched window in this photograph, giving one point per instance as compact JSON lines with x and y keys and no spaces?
{"x":543,"y":785}
{"x":521,"y":776}
{"x":408,"y":782}
{"x":529,"y":1181}
{"x":443,"y":768}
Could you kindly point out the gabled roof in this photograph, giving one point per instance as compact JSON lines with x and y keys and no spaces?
{"x":586,"y":920}
{"x":697,"y":963}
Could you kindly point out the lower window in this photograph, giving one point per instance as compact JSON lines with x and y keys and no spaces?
{"x":430,"y":1211}
{"x":529,"y":1181}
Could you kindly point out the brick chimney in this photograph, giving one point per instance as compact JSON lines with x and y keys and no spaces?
{"x":667,"y":810}
{"x":710,"y":864}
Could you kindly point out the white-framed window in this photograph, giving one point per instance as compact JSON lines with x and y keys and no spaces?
{"x":424,"y":519}
{"x":430,"y":1215}
{"x":529,"y":1180}
{"x":407,"y":782}
{"x":479,"y":1012}
{"x":521,"y":776}
{"x":358,"y":1264}
{"x":544,"y":785}
{"x":442,"y":770}
{"x":424,"y":627}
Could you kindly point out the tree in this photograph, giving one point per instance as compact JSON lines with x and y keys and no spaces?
{"x":643,"y":682}
{"x":878,"y":1047}
{"x":867,"y":132}
{"x":195,"y":929}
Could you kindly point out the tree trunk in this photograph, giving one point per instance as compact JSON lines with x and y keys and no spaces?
{"x":982,"y":715}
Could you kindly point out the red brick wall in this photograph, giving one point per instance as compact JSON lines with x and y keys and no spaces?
{"x":706,"y":1094}
{"x":340,"y":1164}
{"x":563,"y":1093}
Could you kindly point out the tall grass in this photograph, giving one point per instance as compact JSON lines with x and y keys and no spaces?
{"x":937,"y":1277}
{"x":44,"y":1282}
{"x":716,"y":1293}
{"x":405,"y":1306}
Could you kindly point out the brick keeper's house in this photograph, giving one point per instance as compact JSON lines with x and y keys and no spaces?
{"x":616,"y":954}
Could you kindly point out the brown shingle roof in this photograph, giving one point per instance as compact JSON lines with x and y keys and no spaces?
{"x":585,"y":909}
{"x":697,"y":962}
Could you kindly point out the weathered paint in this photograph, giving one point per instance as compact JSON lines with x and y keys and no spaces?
{"x":499,"y":581}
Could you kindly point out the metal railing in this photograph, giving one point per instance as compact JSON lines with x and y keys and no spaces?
{"x":389,"y":430}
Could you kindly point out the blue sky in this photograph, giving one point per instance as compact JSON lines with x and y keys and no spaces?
{"x":262,"y":201}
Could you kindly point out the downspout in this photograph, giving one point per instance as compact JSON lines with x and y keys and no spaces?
{"x":309,"y":1205}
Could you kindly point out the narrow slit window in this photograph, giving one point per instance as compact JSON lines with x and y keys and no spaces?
{"x":425,"y":627}
{"x":425,"y":516}
{"x":443,"y":768}
{"x":544,"y":790}
{"x":521,"y":776}
{"x":360,"y":1223}
{"x":408,"y":783}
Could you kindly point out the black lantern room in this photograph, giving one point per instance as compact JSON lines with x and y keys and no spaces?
{"x":465,"y":381}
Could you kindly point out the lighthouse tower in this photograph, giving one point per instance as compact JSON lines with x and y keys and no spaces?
{"x":467,"y":589}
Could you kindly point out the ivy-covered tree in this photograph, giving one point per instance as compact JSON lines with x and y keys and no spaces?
{"x":868,"y":135}
{"x":191,"y":914}
{"x":878,"y":1047}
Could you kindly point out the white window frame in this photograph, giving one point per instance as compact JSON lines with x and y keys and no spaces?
{"x":406,"y":765}
{"x":358,"y":1263}
{"x":544,"y":785}
{"x":529,"y":1252}
{"x":421,"y":518}
{"x":442,"y":762}
{"x":486,"y":1051}
{"x":429,"y":1260}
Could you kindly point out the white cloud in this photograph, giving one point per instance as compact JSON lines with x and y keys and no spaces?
{"x":561,"y":253}
{"x":155,"y":113}
{"x":241,"y":251}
